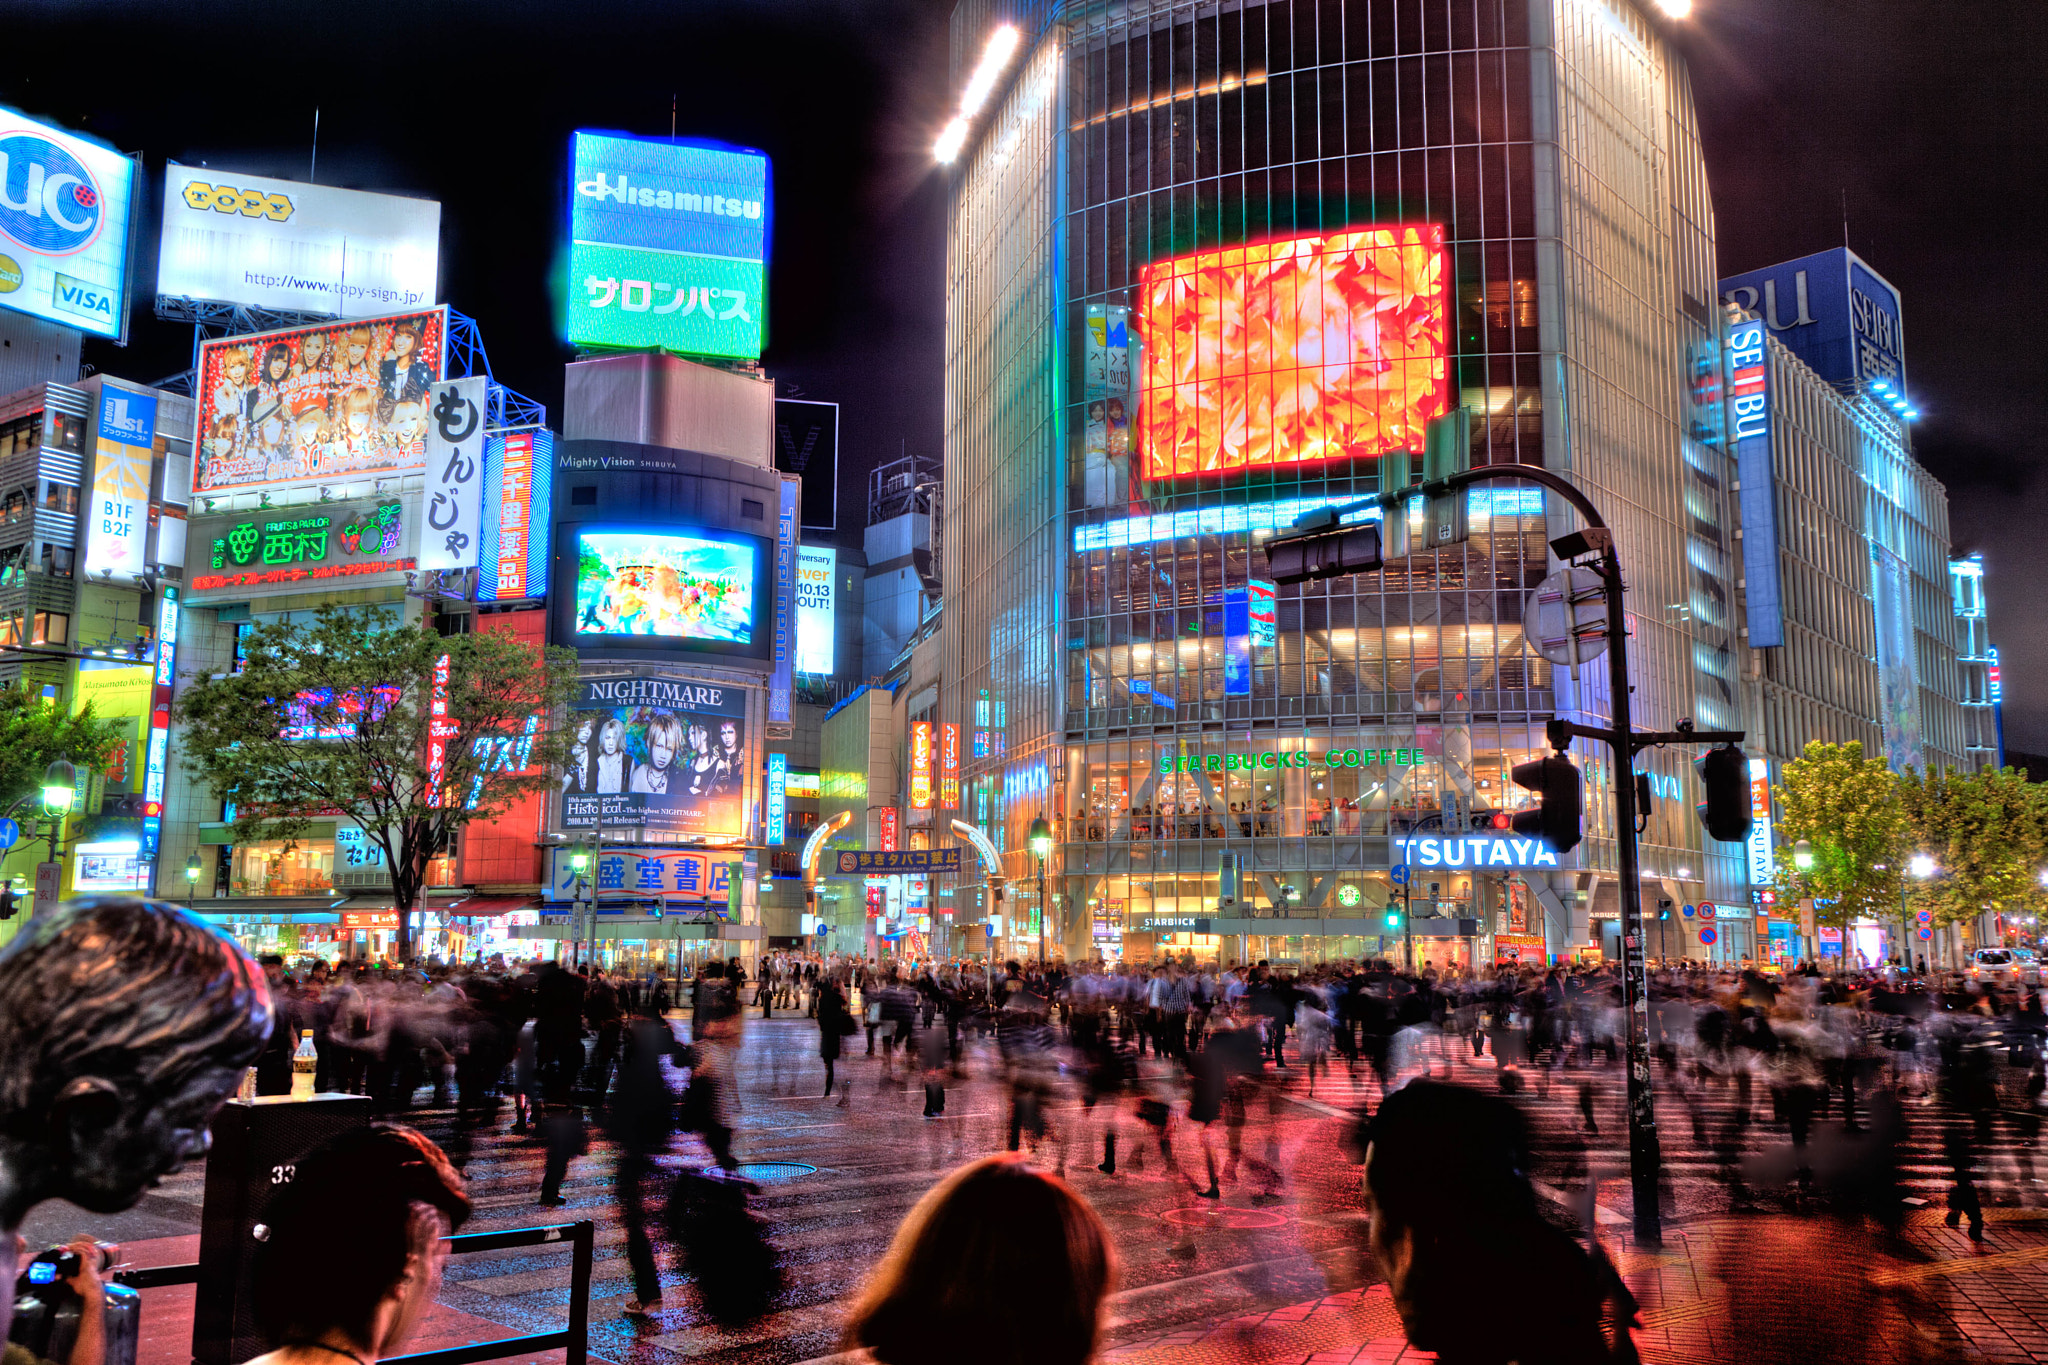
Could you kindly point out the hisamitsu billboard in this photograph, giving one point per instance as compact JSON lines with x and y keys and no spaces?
{"x":668,"y":246}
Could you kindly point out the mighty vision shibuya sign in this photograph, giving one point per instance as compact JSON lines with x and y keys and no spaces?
{"x":274,"y":550}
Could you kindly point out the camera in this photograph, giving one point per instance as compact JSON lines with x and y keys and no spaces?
{"x":61,"y":1263}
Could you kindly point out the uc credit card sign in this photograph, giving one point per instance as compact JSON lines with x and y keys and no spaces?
{"x":64,"y":226}
{"x":668,"y":246}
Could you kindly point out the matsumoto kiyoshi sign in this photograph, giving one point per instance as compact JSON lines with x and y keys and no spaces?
{"x":1476,"y":851}
{"x":1296,"y":758}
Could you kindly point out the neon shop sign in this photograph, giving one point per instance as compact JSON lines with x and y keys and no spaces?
{"x":1335,"y":758}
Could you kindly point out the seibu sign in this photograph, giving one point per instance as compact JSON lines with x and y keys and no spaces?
{"x":1475,"y":851}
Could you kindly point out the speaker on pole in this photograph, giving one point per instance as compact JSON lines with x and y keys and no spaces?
{"x":256,"y":1147}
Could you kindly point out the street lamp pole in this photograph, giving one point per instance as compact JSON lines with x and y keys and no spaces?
{"x":1040,"y":839}
{"x":192,"y":870}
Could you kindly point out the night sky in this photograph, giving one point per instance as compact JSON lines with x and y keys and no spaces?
{"x":1925,"y":115}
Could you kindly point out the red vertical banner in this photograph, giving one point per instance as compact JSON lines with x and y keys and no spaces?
{"x":439,"y":728}
{"x":515,"y":489}
{"x":949,"y":765}
{"x":920,"y":765}
{"x":889,"y":839}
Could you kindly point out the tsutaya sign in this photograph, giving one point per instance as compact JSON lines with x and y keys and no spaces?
{"x":1335,"y":758}
{"x":1432,"y":850}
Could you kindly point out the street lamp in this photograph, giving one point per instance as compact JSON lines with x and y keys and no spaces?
{"x":1040,"y":839}
{"x":191,"y":879}
{"x":1802,"y":856}
{"x":1921,"y":866}
{"x":60,"y":787}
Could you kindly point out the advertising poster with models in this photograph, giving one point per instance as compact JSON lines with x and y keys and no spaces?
{"x":339,"y":401}
{"x":660,"y":754}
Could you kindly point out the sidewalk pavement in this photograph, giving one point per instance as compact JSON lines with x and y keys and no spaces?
{"x":1803,"y":1281}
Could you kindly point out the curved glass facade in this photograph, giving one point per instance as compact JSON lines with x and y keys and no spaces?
{"x":1139,"y":392}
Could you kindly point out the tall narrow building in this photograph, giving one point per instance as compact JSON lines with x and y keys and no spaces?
{"x":1211,"y":266}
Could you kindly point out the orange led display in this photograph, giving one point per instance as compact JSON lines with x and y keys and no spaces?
{"x":1292,"y":352}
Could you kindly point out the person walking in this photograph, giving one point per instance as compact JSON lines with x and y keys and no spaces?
{"x":642,"y":1122}
{"x":835,"y":1025}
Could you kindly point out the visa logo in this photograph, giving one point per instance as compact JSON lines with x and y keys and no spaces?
{"x":86,"y":300}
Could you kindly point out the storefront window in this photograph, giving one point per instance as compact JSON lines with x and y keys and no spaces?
{"x":271,"y":869}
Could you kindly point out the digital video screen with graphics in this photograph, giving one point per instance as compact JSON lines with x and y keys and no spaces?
{"x":1295,"y":352}
{"x":687,"y":586}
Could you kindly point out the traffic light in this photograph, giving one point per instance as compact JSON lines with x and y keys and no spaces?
{"x":1555,"y":780}
{"x":1393,"y":919}
{"x":1724,"y":778}
{"x":1318,"y":547}
{"x":1492,"y":820}
{"x":1663,"y":909}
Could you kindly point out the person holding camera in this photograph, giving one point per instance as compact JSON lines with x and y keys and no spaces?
{"x":78,"y":1269}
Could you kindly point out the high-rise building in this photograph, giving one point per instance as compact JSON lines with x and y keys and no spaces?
{"x":1494,"y":209}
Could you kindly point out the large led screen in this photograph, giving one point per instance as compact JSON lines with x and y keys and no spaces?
{"x":1331,"y":347}
{"x":694,"y":587}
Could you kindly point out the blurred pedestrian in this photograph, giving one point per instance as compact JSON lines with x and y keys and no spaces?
{"x":642,"y":1122}
{"x":1452,"y":1208}
{"x":835,"y":1025}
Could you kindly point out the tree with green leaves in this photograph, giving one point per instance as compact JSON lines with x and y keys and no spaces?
{"x":1847,"y":808}
{"x":1988,"y":835}
{"x":340,"y":716}
{"x":35,"y":732}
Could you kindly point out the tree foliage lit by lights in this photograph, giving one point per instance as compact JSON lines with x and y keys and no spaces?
{"x":335,"y":718}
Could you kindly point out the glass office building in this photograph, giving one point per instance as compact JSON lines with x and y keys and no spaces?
{"x":1493,"y":213}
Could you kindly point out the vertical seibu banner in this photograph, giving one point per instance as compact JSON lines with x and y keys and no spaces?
{"x":1749,"y":440}
{"x":453,"y":536}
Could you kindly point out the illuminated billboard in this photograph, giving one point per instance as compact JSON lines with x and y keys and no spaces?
{"x":337,"y":403}
{"x":65,"y":206}
{"x":696,"y":587}
{"x":124,"y":458}
{"x":1289,"y":353}
{"x":519,"y":487}
{"x":264,"y":243}
{"x":921,"y":765}
{"x":668,"y":246}
{"x":669,"y":758}
{"x":815,"y":616}
{"x":314,"y":546}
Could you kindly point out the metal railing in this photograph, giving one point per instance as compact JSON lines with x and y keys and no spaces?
{"x":573,"y":1339}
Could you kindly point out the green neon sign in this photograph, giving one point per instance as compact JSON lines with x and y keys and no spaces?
{"x":1335,"y":758}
